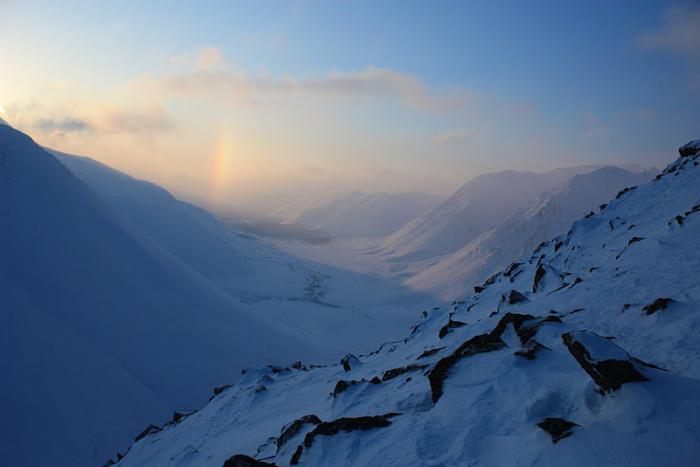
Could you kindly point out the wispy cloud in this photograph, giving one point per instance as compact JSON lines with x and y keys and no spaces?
{"x":89,"y":120}
{"x":63,"y":125}
{"x":210,"y":78}
{"x":679,"y":32}
{"x":454,"y":136}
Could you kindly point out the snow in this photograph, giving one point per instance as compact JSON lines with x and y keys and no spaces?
{"x":336,"y":310}
{"x":103,"y":329}
{"x":597,"y":280}
{"x":479,"y":205}
{"x":547,"y":216}
{"x":367,"y":214}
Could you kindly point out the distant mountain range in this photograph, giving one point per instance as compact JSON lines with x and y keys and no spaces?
{"x":546,"y":216}
{"x":367,"y":214}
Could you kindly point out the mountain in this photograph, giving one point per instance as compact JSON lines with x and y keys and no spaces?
{"x":477,"y":206}
{"x":312,"y":300}
{"x":367,"y":214}
{"x":585,"y":353}
{"x":547,"y":216}
{"x":102,"y":328}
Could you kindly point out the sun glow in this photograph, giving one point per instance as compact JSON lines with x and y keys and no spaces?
{"x":221,"y":166}
{"x":2,"y":110}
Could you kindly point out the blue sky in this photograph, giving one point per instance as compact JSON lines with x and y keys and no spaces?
{"x":351,"y":95}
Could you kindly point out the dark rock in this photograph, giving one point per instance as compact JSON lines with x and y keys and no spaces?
{"x":349,"y":361}
{"x":291,"y":430}
{"x":511,"y":269}
{"x":658,"y":304}
{"x":451,"y":324}
{"x":515,"y":297}
{"x":296,"y":365}
{"x":635,"y":240}
{"x":625,"y":191}
{"x":394,"y":372}
{"x":477,"y":344}
{"x":177,"y":416}
{"x":342,"y":385}
{"x":539,"y":275}
{"x":478,"y":289}
{"x":527,"y":331}
{"x":690,"y":149}
{"x":108,"y":463}
{"x":297,"y":455}
{"x":530,"y":349}
{"x":516,"y":319}
{"x":608,"y":373}
{"x":429,"y":352}
{"x":345,"y":424}
{"x":150,"y":429}
{"x":241,"y":460}
{"x":558,"y":428}
{"x":558,"y":245}
{"x":589,"y":215}
{"x":218,"y":390}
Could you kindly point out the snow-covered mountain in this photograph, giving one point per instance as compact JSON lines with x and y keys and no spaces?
{"x":367,"y":214}
{"x":102,"y":329}
{"x":584,"y":353}
{"x":548,"y":215}
{"x":477,"y":206}
{"x":331,"y":308}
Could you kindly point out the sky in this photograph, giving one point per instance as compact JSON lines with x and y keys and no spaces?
{"x":250,"y":104}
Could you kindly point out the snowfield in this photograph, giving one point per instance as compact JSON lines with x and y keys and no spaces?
{"x":583,"y":353}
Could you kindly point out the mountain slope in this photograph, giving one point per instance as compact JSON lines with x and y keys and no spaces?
{"x":477,"y":206}
{"x":549,"y":215}
{"x":101,"y":328}
{"x":583,"y":354}
{"x":328,"y":307}
{"x":367,"y":214}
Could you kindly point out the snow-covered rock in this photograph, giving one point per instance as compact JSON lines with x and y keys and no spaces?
{"x":558,"y":362}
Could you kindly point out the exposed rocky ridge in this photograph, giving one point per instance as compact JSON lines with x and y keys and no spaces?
{"x":591,"y":380}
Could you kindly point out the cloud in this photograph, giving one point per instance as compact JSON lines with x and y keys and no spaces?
{"x":679,"y":32}
{"x":64,"y":125}
{"x":203,"y":59}
{"x":454,"y":136}
{"x":217,"y":81}
{"x":136,"y":121}
{"x":101,"y":119}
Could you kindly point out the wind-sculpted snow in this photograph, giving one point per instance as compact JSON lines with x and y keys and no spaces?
{"x":558,"y":362}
